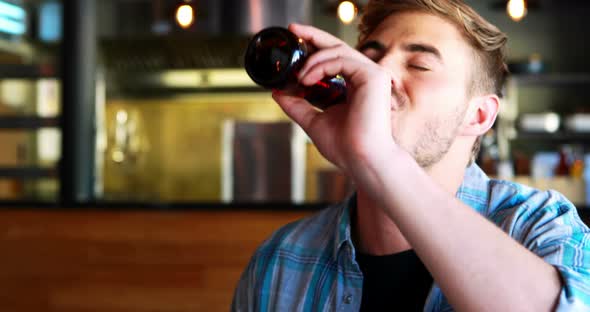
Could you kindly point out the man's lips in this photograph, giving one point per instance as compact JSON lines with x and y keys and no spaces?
{"x":394,"y":104}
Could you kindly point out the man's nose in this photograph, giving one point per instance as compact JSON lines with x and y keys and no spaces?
{"x":393,"y":68}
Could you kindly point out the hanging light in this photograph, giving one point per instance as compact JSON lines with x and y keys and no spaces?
{"x":185,"y":15}
{"x":517,"y":9}
{"x":347,"y":12}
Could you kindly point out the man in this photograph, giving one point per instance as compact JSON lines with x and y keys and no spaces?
{"x":426,"y":230}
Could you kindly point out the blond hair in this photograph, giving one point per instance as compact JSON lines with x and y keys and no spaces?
{"x":487,"y":41}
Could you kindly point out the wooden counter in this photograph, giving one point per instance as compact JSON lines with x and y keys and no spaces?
{"x":92,"y":260}
{"x":127,"y":261}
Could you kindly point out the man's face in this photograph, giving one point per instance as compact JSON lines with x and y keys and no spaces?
{"x":430,"y":62}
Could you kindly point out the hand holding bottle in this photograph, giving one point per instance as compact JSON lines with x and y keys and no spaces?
{"x":355,"y":136}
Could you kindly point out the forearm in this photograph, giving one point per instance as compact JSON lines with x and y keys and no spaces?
{"x":478,"y":267}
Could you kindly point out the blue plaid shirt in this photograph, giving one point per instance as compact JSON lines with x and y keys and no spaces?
{"x":309,"y":265}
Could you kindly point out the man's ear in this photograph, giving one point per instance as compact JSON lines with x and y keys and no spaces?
{"x":481,"y":115}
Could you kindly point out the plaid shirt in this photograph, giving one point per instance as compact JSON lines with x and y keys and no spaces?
{"x":309,"y":265}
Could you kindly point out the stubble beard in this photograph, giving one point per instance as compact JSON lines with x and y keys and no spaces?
{"x":435,"y":138}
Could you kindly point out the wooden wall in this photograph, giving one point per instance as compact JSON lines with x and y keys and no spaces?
{"x":127,"y":261}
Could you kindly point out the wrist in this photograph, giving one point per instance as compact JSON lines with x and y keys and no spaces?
{"x":373,"y":172}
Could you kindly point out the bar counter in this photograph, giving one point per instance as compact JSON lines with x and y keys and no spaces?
{"x":128,"y":260}
{"x":179,"y":257}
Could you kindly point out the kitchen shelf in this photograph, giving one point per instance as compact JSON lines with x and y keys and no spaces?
{"x":20,"y":71}
{"x":508,"y":117}
{"x":557,"y":79}
{"x":27,"y":172}
{"x":562,"y":136}
{"x":28,"y":122}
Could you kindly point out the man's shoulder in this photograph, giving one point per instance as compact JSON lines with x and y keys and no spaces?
{"x":492,"y":196}
{"x":505,"y":194}
{"x":307,"y":237}
{"x":517,"y":208}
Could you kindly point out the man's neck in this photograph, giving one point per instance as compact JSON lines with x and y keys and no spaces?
{"x":375,"y":233}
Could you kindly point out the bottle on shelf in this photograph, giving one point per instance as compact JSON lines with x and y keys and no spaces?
{"x":563,"y":166}
{"x":273,"y":59}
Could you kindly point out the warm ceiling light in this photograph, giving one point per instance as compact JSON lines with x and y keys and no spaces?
{"x":185,"y":16}
{"x":516,"y":9}
{"x":347,"y":12}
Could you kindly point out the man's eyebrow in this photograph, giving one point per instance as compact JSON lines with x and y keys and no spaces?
{"x":423,"y":48}
{"x":372,"y":44}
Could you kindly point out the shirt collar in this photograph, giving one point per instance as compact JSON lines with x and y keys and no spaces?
{"x":473,"y":192}
{"x":343,"y":230}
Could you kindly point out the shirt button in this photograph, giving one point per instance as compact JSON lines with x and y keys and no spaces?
{"x":348,"y":299}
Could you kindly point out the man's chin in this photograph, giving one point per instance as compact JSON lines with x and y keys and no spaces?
{"x":426,"y":162}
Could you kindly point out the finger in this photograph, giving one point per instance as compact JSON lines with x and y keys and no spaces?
{"x":318,"y":38}
{"x":375,"y":82}
{"x":297,"y":108}
{"x":321,"y":56}
{"x":354,"y":71}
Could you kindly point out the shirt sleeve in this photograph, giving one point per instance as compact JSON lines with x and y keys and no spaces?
{"x":549,"y":225}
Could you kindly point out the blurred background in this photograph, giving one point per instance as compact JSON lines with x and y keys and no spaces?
{"x":140,"y":166}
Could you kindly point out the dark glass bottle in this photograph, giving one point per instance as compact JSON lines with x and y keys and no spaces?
{"x":273,"y":59}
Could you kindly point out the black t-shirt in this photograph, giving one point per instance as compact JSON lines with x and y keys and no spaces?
{"x":397,"y":282}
